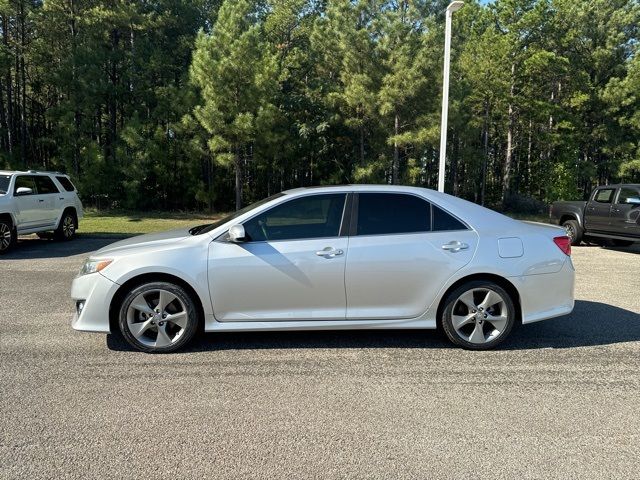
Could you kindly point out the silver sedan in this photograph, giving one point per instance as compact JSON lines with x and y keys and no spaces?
{"x":348,"y":257}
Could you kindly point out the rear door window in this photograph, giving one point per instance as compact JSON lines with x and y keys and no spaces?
{"x":45,"y":185}
{"x":392,"y":213}
{"x":604,"y":195}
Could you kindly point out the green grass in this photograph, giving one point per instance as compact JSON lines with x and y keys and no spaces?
{"x":136,"y":223}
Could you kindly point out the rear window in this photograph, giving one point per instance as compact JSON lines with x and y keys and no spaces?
{"x":4,"y":183}
{"x":66,"y":184}
{"x":45,"y":185}
{"x":604,"y":196}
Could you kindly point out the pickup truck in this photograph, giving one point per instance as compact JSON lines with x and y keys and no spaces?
{"x":37,"y":202}
{"x":611,"y":216}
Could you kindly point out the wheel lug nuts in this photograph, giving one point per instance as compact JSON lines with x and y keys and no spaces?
{"x":164,"y":315}
{"x":152,"y":322}
{"x":473,"y":311}
{"x":161,"y":323}
{"x":485,"y":315}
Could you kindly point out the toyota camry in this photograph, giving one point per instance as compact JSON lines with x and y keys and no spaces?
{"x":326,"y":258}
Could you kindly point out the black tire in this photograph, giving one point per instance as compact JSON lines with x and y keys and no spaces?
{"x":8,"y":235}
{"x":68,"y":225}
{"x":574,"y":231}
{"x":452,"y":301}
{"x":145,"y":342}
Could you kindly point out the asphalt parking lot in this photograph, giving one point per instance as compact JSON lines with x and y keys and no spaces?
{"x":560,"y":399}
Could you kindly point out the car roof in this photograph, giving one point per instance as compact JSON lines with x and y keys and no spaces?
{"x":618,"y":185}
{"x":31,"y":172}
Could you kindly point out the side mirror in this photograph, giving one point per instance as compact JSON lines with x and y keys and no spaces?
{"x":23,"y":191}
{"x":236,"y":234}
{"x":633,"y":200}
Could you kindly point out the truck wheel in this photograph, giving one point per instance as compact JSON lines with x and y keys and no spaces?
{"x":7,"y":236}
{"x":68,"y":226}
{"x":574,"y":231}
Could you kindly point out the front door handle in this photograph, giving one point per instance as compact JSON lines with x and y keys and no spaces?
{"x":329,"y":252}
{"x":455,"y":246}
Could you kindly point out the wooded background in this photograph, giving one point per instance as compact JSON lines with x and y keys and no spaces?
{"x":205,"y":104}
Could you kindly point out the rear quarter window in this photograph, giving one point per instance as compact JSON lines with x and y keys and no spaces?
{"x":66,"y":184}
{"x":443,"y":221}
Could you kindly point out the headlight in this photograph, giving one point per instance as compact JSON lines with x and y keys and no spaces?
{"x":93,"y":266}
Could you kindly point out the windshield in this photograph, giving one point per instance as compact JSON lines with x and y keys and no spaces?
{"x":211,"y":226}
{"x":4,"y":183}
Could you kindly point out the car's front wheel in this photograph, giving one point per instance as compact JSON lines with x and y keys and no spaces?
{"x":478,"y":315}
{"x":158,"y":317}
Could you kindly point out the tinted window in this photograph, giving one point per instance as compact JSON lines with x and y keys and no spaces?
{"x":25,"y":181}
{"x":389,"y":213}
{"x":314,"y":216}
{"x":604,"y":195}
{"x":626,"y":193}
{"x":66,"y":184}
{"x":45,"y":185}
{"x":4,"y":183}
{"x":444,"y":221}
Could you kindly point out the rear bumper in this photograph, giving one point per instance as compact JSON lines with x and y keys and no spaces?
{"x":547,"y":295}
{"x":96,"y":291}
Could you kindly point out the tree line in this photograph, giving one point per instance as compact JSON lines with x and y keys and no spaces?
{"x":209,"y":104}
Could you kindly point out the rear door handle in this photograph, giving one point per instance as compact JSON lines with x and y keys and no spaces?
{"x":455,"y":246}
{"x":329,"y":252}
{"x":40,"y":200}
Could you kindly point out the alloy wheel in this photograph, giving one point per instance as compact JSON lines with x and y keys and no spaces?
{"x":570,"y":231}
{"x":157,"y":318}
{"x":480,"y":315}
{"x":68,"y":226}
{"x":5,"y":236}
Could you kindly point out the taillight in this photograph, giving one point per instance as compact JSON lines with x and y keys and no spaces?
{"x":564,"y":244}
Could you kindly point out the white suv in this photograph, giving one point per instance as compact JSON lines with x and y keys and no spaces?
{"x":37,"y":202}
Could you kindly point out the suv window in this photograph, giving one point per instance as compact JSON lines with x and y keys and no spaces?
{"x":626,"y":193}
{"x":604,"y":195}
{"x":45,"y":185}
{"x":66,"y":184}
{"x":26,"y":181}
{"x":391,"y":213}
{"x":313,"y":216}
{"x":444,"y":221}
{"x":5,"y":180}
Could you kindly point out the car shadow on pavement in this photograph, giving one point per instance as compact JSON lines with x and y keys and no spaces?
{"x":31,"y":247}
{"x":590,"y":324}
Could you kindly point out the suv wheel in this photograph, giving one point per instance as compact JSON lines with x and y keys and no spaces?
{"x":68,"y":225}
{"x":7,"y":236}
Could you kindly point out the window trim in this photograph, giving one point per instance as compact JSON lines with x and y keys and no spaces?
{"x":224,"y":237}
{"x":354,"y":219}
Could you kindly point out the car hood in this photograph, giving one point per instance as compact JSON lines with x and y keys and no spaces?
{"x":150,"y":241}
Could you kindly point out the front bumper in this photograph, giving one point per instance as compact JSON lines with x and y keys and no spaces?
{"x":547,"y":295}
{"x":96,"y":291}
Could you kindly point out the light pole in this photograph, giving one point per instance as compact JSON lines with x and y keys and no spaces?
{"x":453,"y":6}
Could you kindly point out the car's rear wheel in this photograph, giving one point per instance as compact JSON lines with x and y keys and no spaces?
{"x":573,"y":230}
{"x":158,"y":317}
{"x":68,"y":225}
{"x":7,"y":236}
{"x":478,"y":315}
